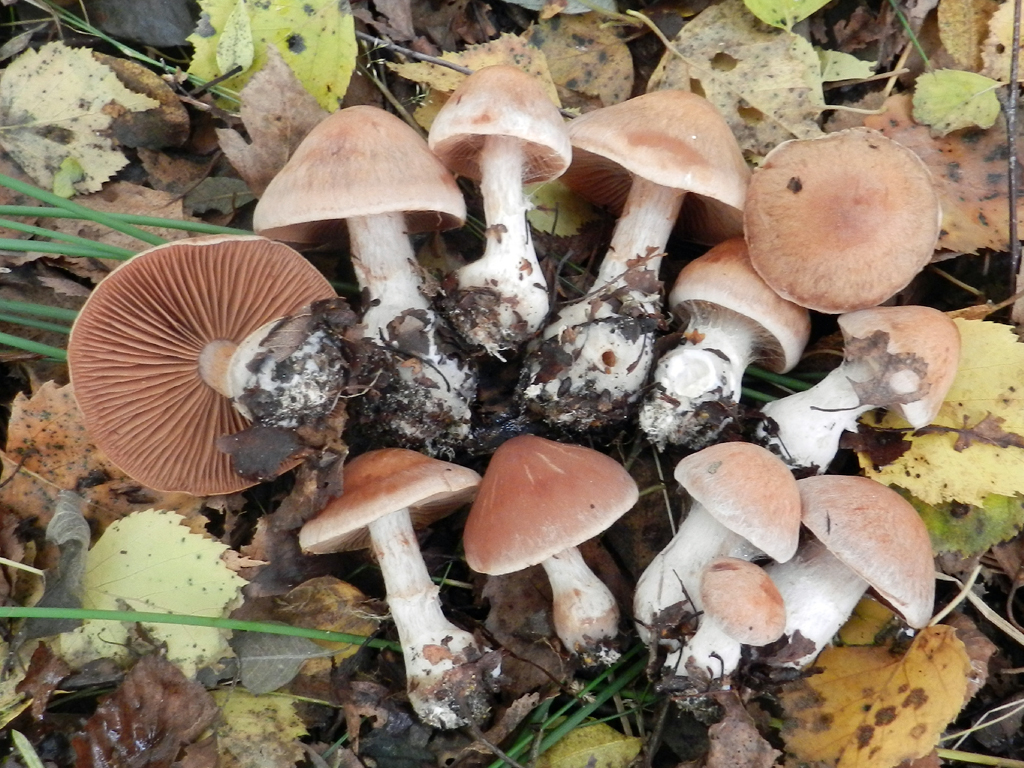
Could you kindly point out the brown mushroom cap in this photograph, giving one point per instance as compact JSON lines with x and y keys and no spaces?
{"x":501,"y":101}
{"x":134,"y":352}
{"x":672,"y":138}
{"x":748,"y":490}
{"x":360,"y":161}
{"x":538,"y":498}
{"x":380,"y":482}
{"x":841,"y":222}
{"x":724,"y":278}
{"x":878,"y":535}
{"x":744,"y":600}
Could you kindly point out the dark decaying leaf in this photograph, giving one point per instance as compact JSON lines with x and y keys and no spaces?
{"x":45,"y":671}
{"x":268,"y":662}
{"x":735,"y":740}
{"x":159,"y":23}
{"x":147,"y":721}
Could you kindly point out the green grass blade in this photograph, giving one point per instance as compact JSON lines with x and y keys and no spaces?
{"x":33,"y":346}
{"x":128,"y":218}
{"x":39,"y":310}
{"x":28,"y":246}
{"x":115,"y":252}
{"x":775,"y":378}
{"x":29,"y":322}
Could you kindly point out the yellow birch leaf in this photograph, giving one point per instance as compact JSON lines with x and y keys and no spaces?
{"x":963,"y":26}
{"x":870,"y":709}
{"x":784,"y":13}
{"x":951,"y":99}
{"x":592,"y":746}
{"x":995,"y":52}
{"x":836,"y":66}
{"x":235,"y":46}
{"x":975,"y":446}
{"x":866,"y":623}
{"x":257,"y":730}
{"x":557,"y":210}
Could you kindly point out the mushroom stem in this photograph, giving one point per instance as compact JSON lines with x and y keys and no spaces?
{"x":674,"y":575}
{"x":820,"y":593}
{"x":442,"y":695}
{"x":585,"y":612}
{"x":711,"y":653}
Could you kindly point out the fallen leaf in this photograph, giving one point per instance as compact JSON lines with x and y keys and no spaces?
{"x":257,"y":730}
{"x":968,"y":529}
{"x":989,"y":383}
{"x":316,"y":38}
{"x":592,"y":745}
{"x":58,"y":102}
{"x":867,"y":623}
{"x":979,"y":650}
{"x":950,"y":100}
{"x":268,"y":662}
{"x":565,"y":6}
{"x":234,"y":45}
{"x":969,"y":171}
{"x":963,"y":27}
{"x":160,"y":23}
{"x":784,"y":13}
{"x":223,"y":194}
{"x":557,"y":210}
{"x":766,"y":83}
{"x":150,"y":562}
{"x":735,"y":740}
{"x":869,"y":708}
{"x":167,"y":125}
{"x":278,"y":113}
{"x":327,"y":602}
{"x":995,"y":52}
{"x":836,"y":65}
{"x":44,"y":673}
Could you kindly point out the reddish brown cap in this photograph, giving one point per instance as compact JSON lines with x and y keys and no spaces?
{"x":360,"y":161}
{"x":673,"y":138}
{"x":748,"y":490}
{"x":539,"y":497}
{"x":841,"y":222}
{"x":385,"y":481}
{"x":914,"y":353}
{"x":878,"y":535}
{"x":744,"y":600}
{"x":134,"y":352}
{"x":722,"y":280}
{"x":501,"y":101}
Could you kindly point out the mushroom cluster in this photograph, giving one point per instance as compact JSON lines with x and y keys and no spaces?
{"x":236,"y":354}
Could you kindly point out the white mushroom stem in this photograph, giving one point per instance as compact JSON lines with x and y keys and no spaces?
{"x":820,"y":593}
{"x":709,"y":654}
{"x":431,"y":644}
{"x":509,"y":266}
{"x":675,"y":573}
{"x":586,"y":615}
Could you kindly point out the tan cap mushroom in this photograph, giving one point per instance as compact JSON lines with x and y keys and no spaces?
{"x":148,"y":352}
{"x":385,"y":491}
{"x":841,"y":222}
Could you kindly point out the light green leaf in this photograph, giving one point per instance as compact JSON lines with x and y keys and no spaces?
{"x":557,"y":210}
{"x":316,"y":38}
{"x":836,"y":65}
{"x":70,"y":173}
{"x":592,"y":746}
{"x":235,"y":46}
{"x":969,"y":530}
{"x":951,"y":99}
{"x":784,"y":13}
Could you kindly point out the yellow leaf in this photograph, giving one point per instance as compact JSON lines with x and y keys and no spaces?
{"x":836,"y":65}
{"x":950,"y":99}
{"x":257,"y":730}
{"x":765,"y":82}
{"x":866,"y":623}
{"x":56,"y":103}
{"x":995,"y":52}
{"x":70,"y":173}
{"x":235,"y":47}
{"x":557,"y":210}
{"x":592,"y":746}
{"x":870,"y":709}
{"x":963,"y":26}
{"x":332,"y":604}
{"x":316,"y":38}
{"x":984,"y":412}
{"x":783,"y":13}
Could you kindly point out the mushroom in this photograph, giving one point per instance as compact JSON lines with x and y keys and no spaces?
{"x":667,"y":155}
{"x":368,"y":168}
{"x":841,"y":222}
{"x":500,"y":128}
{"x":538,"y":501}
{"x":901,"y":358}
{"x":171,"y":346}
{"x":745,"y":504}
{"x":742,"y":606}
{"x":388,"y":493}
{"x":730,"y":318}
{"x":867,"y":535}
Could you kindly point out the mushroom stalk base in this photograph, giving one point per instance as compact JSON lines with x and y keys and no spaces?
{"x":585,"y":612}
{"x":708,"y":655}
{"x":444,"y":681}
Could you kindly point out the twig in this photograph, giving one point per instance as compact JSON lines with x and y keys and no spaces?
{"x":961,"y":596}
{"x":380,"y":42}
{"x":987,"y":612}
{"x":1012,"y":101}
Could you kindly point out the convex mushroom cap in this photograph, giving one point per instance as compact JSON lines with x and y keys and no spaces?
{"x":151,"y":348}
{"x":841,"y":222}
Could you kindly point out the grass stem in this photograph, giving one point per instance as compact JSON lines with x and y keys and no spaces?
{"x":39,"y":310}
{"x":200,"y":227}
{"x":30,"y":322}
{"x":113,"y":250}
{"x":34,"y":347}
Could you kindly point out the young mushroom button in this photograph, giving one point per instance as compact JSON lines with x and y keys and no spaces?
{"x":500,"y":128}
{"x":538,"y":501}
{"x":388,"y":493}
{"x":171,"y":345}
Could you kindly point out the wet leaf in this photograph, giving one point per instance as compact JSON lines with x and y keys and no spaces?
{"x":836,"y":65}
{"x":268,"y":662}
{"x":963,"y":27}
{"x":783,"y":13}
{"x":257,"y":730}
{"x":57,"y":103}
{"x":949,"y":100}
{"x":45,"y":671}
{"x":975,"y":447}
{"x":594,"y":745}
{"x":868,"y":708}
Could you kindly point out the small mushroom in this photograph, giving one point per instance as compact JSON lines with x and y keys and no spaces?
{"x":171,"y":346}
{"x":538,"y":501}
{"x":867,"y":535}
{"x":730,"y":319}
{"x":388,"y":493}
{"x":901,"y":358}
{"x":500,"y":128}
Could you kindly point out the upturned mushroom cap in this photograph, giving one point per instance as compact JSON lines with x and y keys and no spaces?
{"x":501,"y":101}
{"x":743,"y":599}
{"x":672,"y":138}
{"x":723,"y":277}
{"x":748,"y":490}
{"x":380,"y":482}
{"x":360,"y":161}
{"x":918,"y":362}
{"x":135,"y":348}
{"x":878,"y":535}
{"x":841,"y":222}
{"x":538,"y":498}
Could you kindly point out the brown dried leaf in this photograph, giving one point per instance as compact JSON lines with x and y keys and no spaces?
{"x":735,"y":740}
{"x":963,"y":27}
{"x":145,"y":723}
{"x":166,"y":125}
{"x":979,"y":650}
{"x":45,"y":671}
